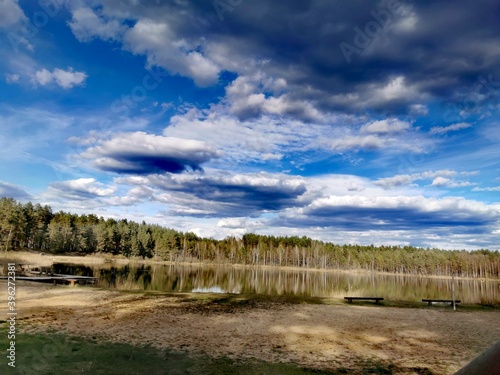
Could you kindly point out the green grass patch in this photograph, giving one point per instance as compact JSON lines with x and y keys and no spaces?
{"x":61,"y":354}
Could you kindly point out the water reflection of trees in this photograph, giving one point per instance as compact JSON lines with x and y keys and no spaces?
{"x":175,"y":278}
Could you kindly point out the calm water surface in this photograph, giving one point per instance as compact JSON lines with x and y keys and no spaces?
{"x":176,"y":278}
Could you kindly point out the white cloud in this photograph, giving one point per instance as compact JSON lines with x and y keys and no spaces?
{"x":340,"y":208}
{"x":157,"y":41}
{"x":446,"y":129}
{"x":407,"y":20}
{"x":368,"y":142}
{"x":388,"y":126}
{"x":150,"y":33}
{"x":87,"y":25}
{"x":80,"y":189}
{"x":494,"y":188}
{"x":43,"y":77}
{"x":419,"y":110}
{"x":397,"y":89}
{"x":404,"y":179}
{"x":245,"y":98}
{"x":232,"y":222}
{"x":243,"y":141}
{"x":10,"y":13}
{"x":393,"y":91}
{"x":440,"y":181}
{"x":66,"y":79}
{"x":446,"y":182}
{"x":12,"y":78}
{"x":273,"y":136}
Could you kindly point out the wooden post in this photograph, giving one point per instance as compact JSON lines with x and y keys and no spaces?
{"x":453,"y":291}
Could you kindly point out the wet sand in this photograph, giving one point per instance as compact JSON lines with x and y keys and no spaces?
{"x":319,"y":336}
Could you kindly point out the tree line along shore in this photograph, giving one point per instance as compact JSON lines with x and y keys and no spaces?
{"x":35,"y":227}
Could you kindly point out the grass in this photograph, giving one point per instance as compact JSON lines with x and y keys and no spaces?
{"x":45,"y":354}
{"x":59,"y":354}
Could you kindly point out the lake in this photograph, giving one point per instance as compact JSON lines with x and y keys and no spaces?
{"x":276,"y":281}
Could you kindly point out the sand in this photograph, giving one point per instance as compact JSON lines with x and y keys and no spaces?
{"x":319,"y":336}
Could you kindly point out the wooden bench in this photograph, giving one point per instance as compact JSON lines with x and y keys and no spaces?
{"x":376,"y":299}
{"x":430,"y":301}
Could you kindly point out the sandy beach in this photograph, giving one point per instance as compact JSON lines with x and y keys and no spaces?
{"x":318,"y":336}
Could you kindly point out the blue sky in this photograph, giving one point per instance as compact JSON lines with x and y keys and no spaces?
{"x":354,"y":122}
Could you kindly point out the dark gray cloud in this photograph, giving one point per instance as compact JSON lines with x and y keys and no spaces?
{"x":142,"y":153}
{"x":350,"y":56}
{"x":394,"y":213}
{"x":224,"y":196}
{"x":13,"y":191}
{"x":431,"y":55}
{"x":80,"y":189}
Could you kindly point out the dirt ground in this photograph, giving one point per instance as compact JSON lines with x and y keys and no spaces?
{"x":319,"y":336}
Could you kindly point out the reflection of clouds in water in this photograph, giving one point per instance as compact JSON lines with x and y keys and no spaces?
{"x":213,"y":289}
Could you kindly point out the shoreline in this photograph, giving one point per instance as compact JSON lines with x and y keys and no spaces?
{"x":47,"y":259}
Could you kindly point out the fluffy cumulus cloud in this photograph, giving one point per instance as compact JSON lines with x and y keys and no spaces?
{"x":87,"y":25}
{"x":66,"y":79}
{"x":153,"y":33}
{"x":143,"y":153}
{"x":251,"y":96}
{"x":156,"y":40}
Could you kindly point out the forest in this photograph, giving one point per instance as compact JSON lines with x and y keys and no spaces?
{"x":34,"y":227}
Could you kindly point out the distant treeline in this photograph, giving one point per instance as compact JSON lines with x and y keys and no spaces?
{"x":36,"y":227}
